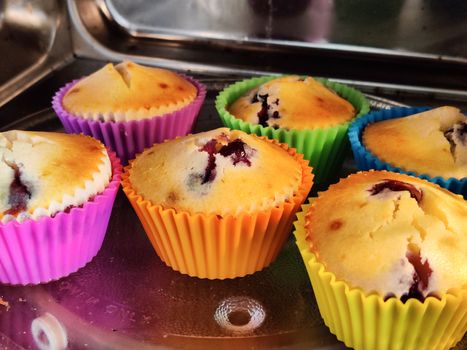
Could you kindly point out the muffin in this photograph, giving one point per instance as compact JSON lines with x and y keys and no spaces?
{"x":307,"y":114}
{"x":386,"y":255}
{"x":430,"y":144}
{"x":56,"y":195}
{"x":141,"y":105}
{"x":293,"y":103}
{"x":217,"y":204}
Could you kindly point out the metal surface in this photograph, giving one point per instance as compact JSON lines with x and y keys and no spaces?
{"x":428,"y":29}
{"x":97,"y":35}
{"x":34,"y":41}
{"x":92,"y":39}
{"x":126,"y":298}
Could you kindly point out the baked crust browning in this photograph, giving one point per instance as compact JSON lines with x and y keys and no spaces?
{"x":431,"y":142}
{"x":219,"y":171}
{"x":407,"y":239}
{"x":292,"y":103}
{"x":128,"y":91}
{"x":43,"y":173}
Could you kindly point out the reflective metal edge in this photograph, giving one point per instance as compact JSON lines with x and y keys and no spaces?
{"x":58,"y":54}
{"x":147,"y":32}
{"x":85,"y":45}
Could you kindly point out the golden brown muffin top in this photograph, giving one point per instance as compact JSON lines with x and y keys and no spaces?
{"x":392,"y":234}
{"x":128,"y":91}
{"x":42,"y":173}
{"x":218,"y":171}
{"x":294,"y":103}
{"x":432,"y":142}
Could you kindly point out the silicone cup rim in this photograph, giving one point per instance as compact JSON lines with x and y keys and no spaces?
{"x":357,"y":318}
{"x":323,"y":147}
{"x":223,"y":100}
{"x":60,"y":109}
{"x":362,"y":154}
{"x":306,"y":177}
{"x":114,"y":183}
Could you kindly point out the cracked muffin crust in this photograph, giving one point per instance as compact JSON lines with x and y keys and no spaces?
{"x":432,"y":142}
{"x":128,"y":91}
{"x":42,"y":173}
{"x":218,"y":171}
{"x":292,"y":102}
{"x":392,"y":234}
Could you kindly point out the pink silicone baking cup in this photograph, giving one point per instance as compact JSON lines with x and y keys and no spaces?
{"x":39,"y":251}
{"x":127,"y":138}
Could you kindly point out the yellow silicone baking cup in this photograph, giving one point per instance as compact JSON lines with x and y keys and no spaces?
{"x":369,"y":322}
{"x":214,"y":246}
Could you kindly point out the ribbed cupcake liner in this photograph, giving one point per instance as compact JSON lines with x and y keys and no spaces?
{"x":127,"y":138}
{"x":324,"y":148}
{"x":369,"y":322}
{"x":366,"y":160}
{"x":39,"y":251}
{"x":214,"y":246}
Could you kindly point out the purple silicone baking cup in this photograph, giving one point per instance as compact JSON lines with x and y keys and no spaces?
{"x":366,"y":160}
{"x":128,"y":138}
{"x":39,"y":251}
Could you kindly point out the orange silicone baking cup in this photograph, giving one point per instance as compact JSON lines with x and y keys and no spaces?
{"x":214,"y":246}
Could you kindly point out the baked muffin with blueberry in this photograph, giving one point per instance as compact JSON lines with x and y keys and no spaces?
{"x":217,"y":204}
{"x":49,"y":184}
{"x":309,"y":114}
{"x":431,"y":144}
{"x":388,"y":250}
{"x":292,"y":102}
{"x":128,"y":106}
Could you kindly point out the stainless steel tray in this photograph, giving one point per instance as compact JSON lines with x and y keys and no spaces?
{"x":126,"y":298}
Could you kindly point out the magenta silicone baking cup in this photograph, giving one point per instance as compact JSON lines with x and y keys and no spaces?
{"x":39,"y":251}
{"x":127,"y":138}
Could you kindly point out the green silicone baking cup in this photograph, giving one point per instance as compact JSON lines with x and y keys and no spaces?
{"x":324,"y":148}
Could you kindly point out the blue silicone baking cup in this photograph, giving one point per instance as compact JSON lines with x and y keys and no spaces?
{"x":366,"y":160}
